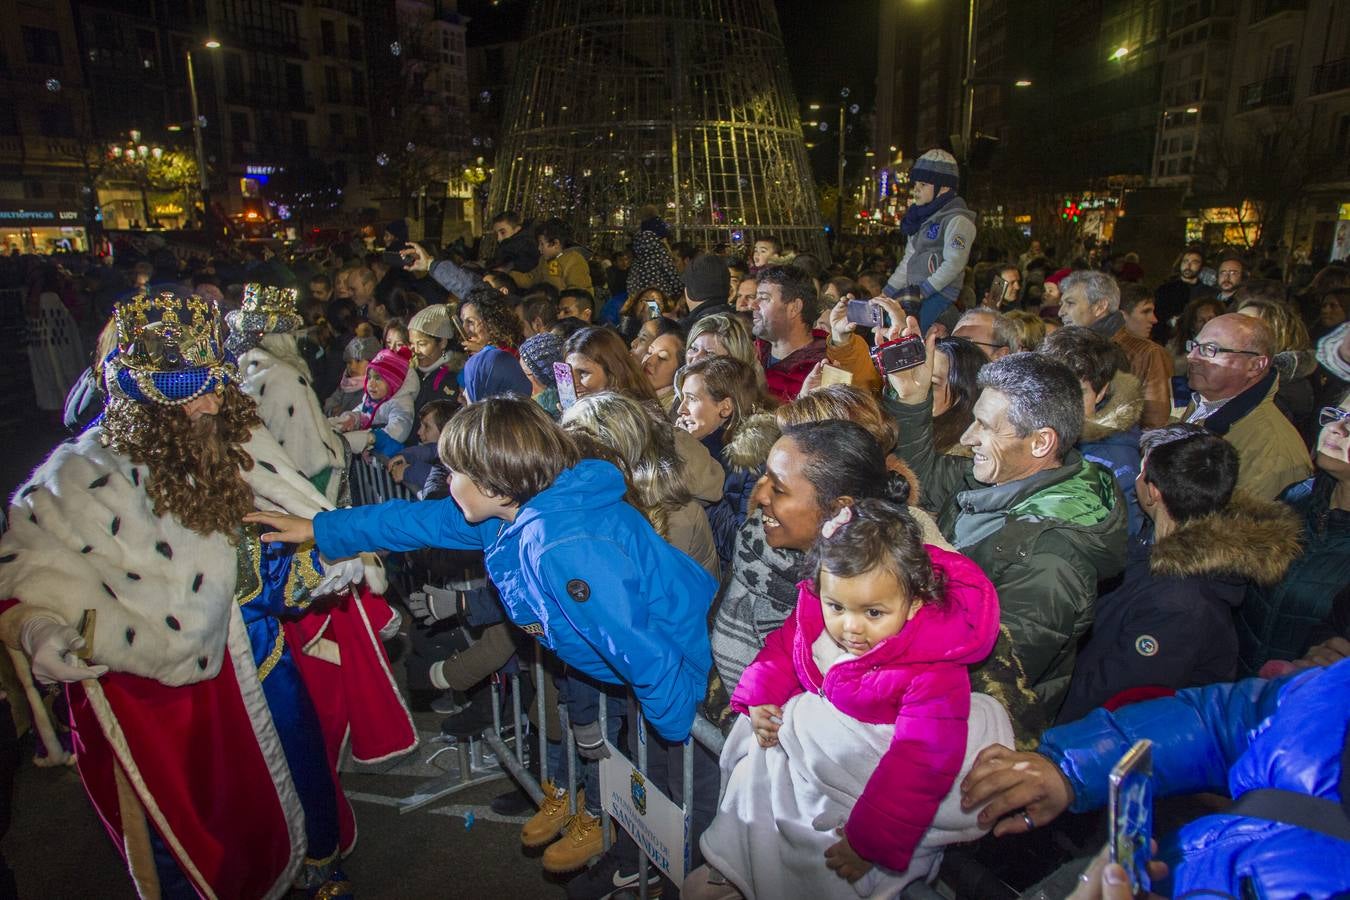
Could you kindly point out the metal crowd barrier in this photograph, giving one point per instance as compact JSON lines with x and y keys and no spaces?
{"x":509,"y":752}
{"x":371,"y":483}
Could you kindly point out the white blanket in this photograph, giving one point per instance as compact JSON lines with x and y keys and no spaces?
{"x":780,"y":806}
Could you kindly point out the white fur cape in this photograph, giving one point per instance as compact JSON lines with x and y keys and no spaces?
{"x":83,"y":536}
{"x":290,"y":409}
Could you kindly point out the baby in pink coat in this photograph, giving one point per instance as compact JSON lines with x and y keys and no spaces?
{"x":885,"y":633}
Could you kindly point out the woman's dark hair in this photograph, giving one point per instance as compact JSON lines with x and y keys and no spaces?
{"x":1186,"y":321}
{"x":622,"y":372}
{"x":880,"y":533}
{"x":845,"y":461}
{"x":964,"y":361}
{"x":499,"y":318}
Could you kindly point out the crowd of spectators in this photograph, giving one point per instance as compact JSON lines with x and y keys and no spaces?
{"x":1109,"y":509}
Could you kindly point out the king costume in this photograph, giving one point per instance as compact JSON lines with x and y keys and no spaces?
{"x":237,"y":670}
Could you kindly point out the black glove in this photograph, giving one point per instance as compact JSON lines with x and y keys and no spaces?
{"x":590,"y":741}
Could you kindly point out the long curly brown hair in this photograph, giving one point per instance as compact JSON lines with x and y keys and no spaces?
{"x":195,"y":466}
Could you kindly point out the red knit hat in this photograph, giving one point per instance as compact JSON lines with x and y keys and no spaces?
{"x":392,"y":366}
{"x":1059,"y":276}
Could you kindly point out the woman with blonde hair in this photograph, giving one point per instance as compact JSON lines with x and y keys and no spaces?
{"x":643,"y":446}
{"x":1028,"y":330}
{"x":1294,"y":359}
{"x":725,"y":406}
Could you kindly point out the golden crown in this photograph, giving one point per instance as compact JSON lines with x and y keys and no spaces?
{"x":168,"y":332}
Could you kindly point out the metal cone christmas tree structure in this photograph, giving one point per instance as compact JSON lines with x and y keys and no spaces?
{"x":682,"y":105}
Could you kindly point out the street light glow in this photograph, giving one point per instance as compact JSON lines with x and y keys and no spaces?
{"x":211,"y":44}
{"x":814,"y":106}
{"x":1192,"y":109}
{"x":1121,"y":53}
{"x":1022,"y":82}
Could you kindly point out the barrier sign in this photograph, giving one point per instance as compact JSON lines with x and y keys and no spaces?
{"x":659,"y":826}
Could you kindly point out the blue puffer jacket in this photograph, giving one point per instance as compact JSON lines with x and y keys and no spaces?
{"x":1288,"y":733}
{"x":579,"y":569}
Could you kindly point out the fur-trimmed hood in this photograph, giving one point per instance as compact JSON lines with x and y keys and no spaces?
{"x":1124,"y":405}
{"x":1294,"y":364}
{"x":1251,"y":538}
{"x":750,"y":445}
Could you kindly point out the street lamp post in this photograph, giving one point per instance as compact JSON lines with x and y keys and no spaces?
{"x":839,"y":202}
{"x":202,"y":184}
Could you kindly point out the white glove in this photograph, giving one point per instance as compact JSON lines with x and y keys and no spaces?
{"x":339,"y":574}
{"x":51,"y":646}
{"x":358,"y":441}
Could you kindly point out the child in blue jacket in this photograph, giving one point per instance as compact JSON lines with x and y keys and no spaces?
{"x":575,"y":565}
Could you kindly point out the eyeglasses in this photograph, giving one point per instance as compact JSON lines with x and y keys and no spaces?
{"x":1332,"y":414}
{"x":1211,"y":350}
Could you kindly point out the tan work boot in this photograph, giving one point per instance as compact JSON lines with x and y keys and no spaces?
{"x":582,"y":840}
{"x":546,"y":824}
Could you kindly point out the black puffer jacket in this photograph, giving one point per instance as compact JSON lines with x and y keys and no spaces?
{"x":1170,"y":624}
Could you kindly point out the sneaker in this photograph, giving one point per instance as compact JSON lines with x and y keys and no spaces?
{"x":581,"y":842}
{"x":514,"y":802}
{"x":546,"y":824}
{"x":610,"y":877}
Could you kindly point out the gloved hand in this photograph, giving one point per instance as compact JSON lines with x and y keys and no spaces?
{"x":358,"y":441}
{"x":339,"y":574}
{"x":433,"y":604}
{"x":51,"y":646}
{"x":590,"y":740}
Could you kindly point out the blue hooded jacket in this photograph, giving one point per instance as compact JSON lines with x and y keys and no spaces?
{"x":1286,"y":733}
{"x":582,"y":571}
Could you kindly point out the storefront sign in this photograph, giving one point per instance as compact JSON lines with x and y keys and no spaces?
{"x":25,"y":216}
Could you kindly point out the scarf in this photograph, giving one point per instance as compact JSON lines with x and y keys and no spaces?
{"x":915,"y":216}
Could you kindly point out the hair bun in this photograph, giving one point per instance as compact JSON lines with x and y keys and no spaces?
{"x":898,"y":487}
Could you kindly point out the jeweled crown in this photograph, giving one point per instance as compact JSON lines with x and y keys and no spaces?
{"x":168,"y":348}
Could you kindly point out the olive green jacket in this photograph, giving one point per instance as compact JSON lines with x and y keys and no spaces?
{"x":1045,"y":541}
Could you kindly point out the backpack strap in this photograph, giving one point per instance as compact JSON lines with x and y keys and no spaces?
{"x":1292,"y":808}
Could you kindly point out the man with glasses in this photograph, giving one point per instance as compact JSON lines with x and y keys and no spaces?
{"x":1234,"y":396}
{"x":987,"y":329}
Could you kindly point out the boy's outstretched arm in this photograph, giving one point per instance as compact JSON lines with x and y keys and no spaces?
{"x":393,"y":525}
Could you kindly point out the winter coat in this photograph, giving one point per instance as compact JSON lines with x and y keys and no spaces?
{"x":518,"y":253}
{"x":1110,"y":438}
{"x":1152,"y":365}
{"x":439,"y":381}
{"x":1275,"y":620}
{"x":392,"y":424}
{"x":1288,"y":733}
{"x":742,"y":461}
{"x":579,"y":569}
{"x":652,"y":267}
{"x":456,"y":279}
{"x":1271,"y":453}
{"x":855,"y":357}
{"x":1170,"y":624}
{"x":1045,"y":541}
{"x":567,"y":271}
{"x":916,"y":680}
{"x":1295,"y":396}
{"x":784,"y":378}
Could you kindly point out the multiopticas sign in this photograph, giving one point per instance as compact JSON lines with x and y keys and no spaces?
{"x":39,"y":215}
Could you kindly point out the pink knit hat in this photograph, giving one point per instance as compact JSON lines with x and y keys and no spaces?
{"x":392,"y":366}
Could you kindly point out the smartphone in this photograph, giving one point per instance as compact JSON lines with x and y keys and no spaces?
{"x":395,"y":260}
{"x":1131,"y":814}
{"x":900,"y":354}
{"x":830,"y":375}
{"x":567,"y":388}
{"x":653,"y":309}
{"x":862,"y":312}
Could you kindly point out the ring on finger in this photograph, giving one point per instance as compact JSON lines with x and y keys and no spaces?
{"x":1026,"y":817}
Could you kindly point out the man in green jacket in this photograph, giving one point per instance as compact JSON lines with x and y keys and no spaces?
{"x":1043,"y":523}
